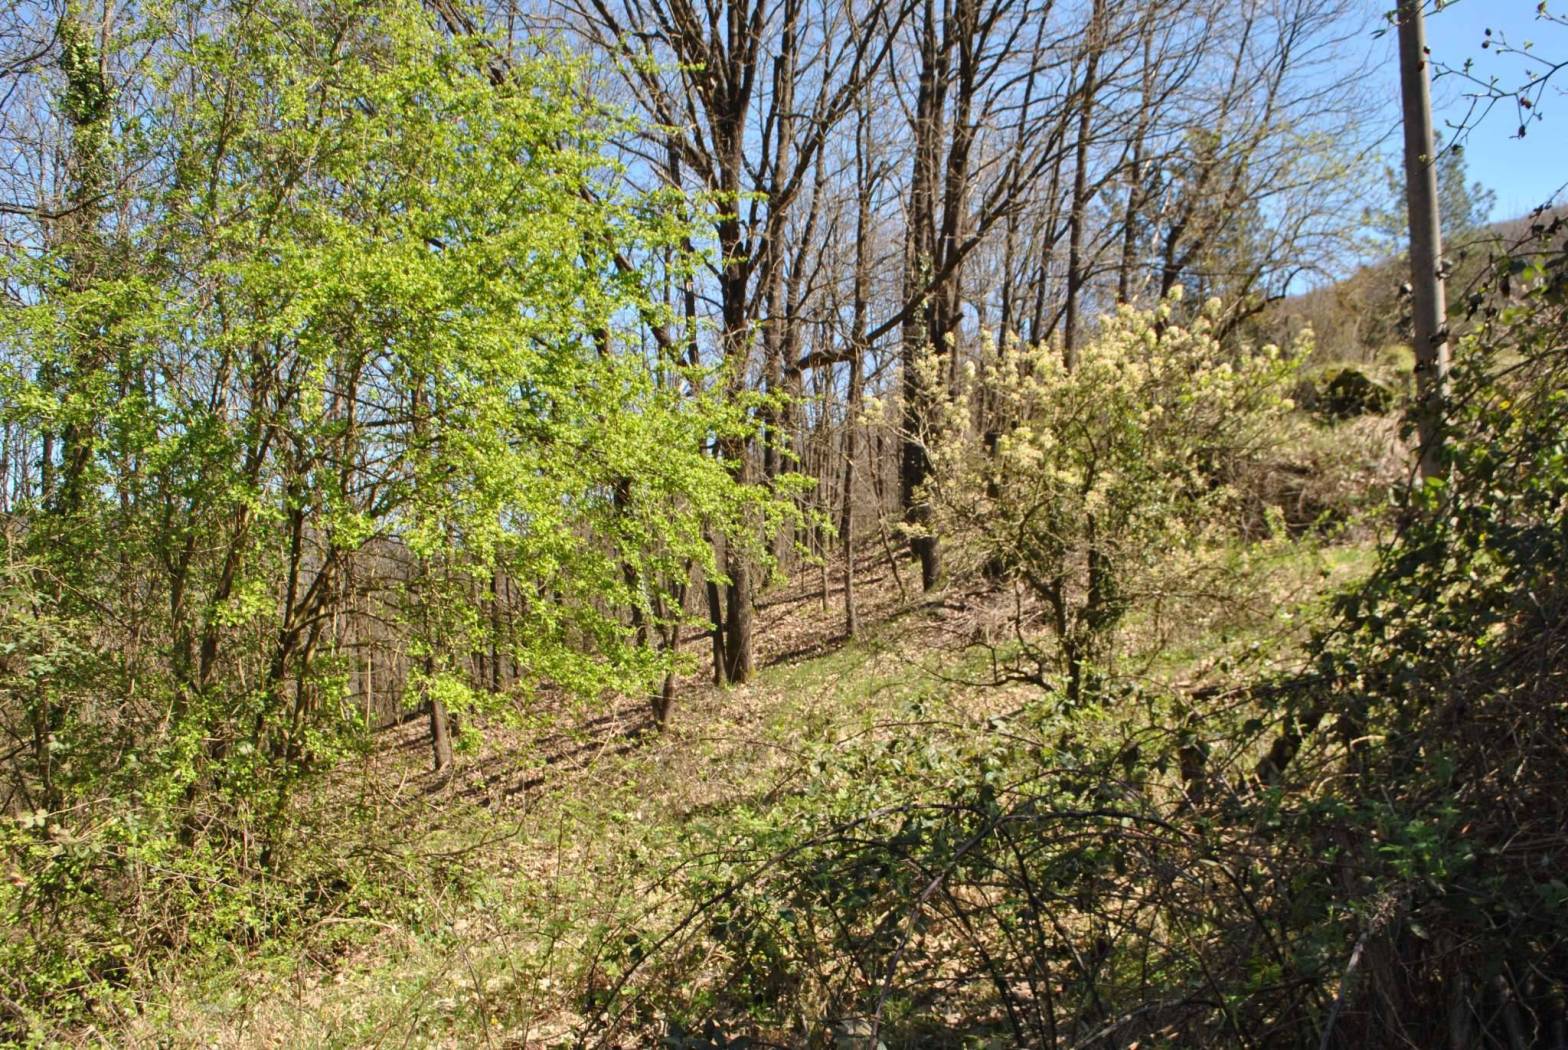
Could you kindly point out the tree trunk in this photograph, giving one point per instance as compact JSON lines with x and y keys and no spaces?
{"x":847,"y":517}
{"x":1076,"y":276}
{"x":664,"y":699}
{"x":737,"y":629}
{"x":440,"y":724}
{"x":440,"y":735}
{"x":918,"y":266}
{"x":1135,"y":170}
{"x":716,"y":628}
{"x":1428,"y":311}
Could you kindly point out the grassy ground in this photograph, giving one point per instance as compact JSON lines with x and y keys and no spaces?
{"x":502,"y":877}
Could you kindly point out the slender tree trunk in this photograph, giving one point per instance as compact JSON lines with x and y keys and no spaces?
{"x":495,"y":631}
{"x":737,"y":634}
{"x":1078,"y":217}
{"x":1428,"y":310}
{"x":1135,"y":172}
{"x":879,"y":455}
{"x":847,"y":517}
{"x":664,"y":700}
{"x":716,"y":623}
{"x":734,"y":287}
{"x":925,"y":328}
{"x":1038,"y":328}
{"x":440,"y":720}
{"x":860,"y":310}
{"x":85,"y":103}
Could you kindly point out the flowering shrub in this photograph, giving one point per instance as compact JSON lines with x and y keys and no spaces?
{"x":1088,"y":484}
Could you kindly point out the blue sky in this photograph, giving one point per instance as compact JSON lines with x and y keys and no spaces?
{"x":1522,"y":172}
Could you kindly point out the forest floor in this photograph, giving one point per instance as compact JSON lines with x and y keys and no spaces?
{"x":562,"y":823}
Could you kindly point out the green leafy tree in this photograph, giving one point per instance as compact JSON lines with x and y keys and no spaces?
{"x":375,"y":331}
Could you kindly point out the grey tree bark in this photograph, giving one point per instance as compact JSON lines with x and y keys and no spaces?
{"x":1428,"y":310}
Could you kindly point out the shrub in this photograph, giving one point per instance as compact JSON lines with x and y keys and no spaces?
{"x":1350,"y":392}
{"x":1082,"y":483}
{"x":1445,"y":679}
{"x":1322,"y":477}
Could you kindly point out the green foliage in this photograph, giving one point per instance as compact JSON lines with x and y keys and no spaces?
{"x":1440,"y":697}
{"x":1332,"y":479}
{"x":371,"y":333}
{"x":1018,"y":879}
{"x":363,"y":338}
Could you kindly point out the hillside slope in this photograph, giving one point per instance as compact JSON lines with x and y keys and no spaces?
{"x":504,"y":888}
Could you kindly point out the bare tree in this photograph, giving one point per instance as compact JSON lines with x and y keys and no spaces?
{"x":745,"y":136}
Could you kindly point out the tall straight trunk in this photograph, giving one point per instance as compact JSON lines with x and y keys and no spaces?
{"x":495,"y":631}
{"x":629,"y":573}
{"x":920,"y":263}
{"x":847,"y":515}
{"x":734,"y":285}
{"x":737,"y":632}
{"x":1428,"y":310}
{"x":822,"y":468}
{"x":440,"y":720}
{"x":859,"y":312}
{"x":1009,"y":267}
{"x":774,"y":422}
{"x":1010,"y":277}
{"x":1135,"y":173}
{"x":85,"y":103}
{"x":1038,"y":328}
{"x":715,"y":598}
{"x":879,"y":455}
{"x":738,"y":626}
{"x":776,"y":323}
{"x":1078,"y":217}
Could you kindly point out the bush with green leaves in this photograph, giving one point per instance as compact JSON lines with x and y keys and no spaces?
{"x":1430,"y":751}
{"x":1094,"y":486}
{"x":1033,"y":879}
